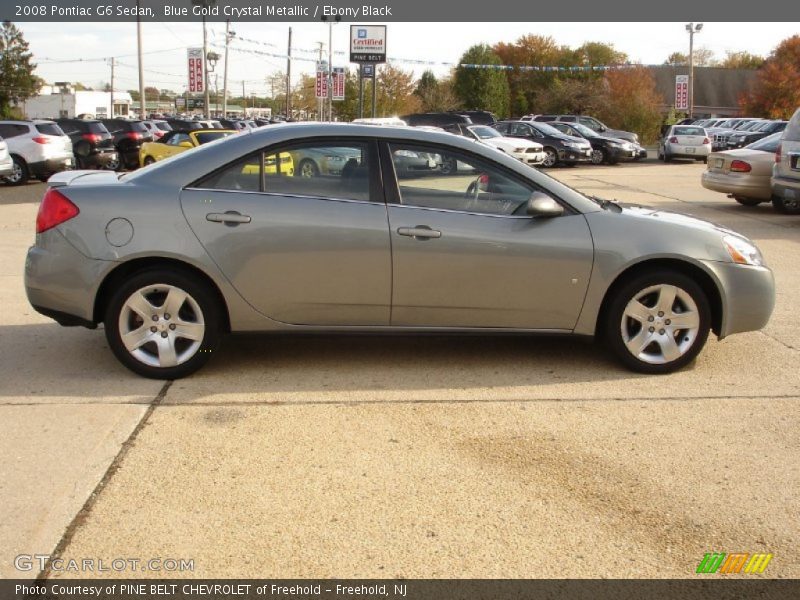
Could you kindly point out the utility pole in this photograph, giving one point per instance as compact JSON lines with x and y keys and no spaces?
{"x":244,"y":101}
{"x":289,"y":77}
{"x":320,"y":116}
{"x":207,"y":95}
{"x":374,"y":90}
{"x":361,"y":91}
{"x":111,"y":114}
{"x":330,"y":70}
{"x":228,"y":36}
{"x":142,"y":101}
{"x":692,"y":29}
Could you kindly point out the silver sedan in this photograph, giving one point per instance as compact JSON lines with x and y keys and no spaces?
{"x":171,"y":257}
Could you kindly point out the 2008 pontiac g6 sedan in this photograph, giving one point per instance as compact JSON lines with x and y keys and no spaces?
{"x":223,"y":239}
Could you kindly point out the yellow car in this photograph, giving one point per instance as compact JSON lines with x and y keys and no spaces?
{"x":174,"y":142}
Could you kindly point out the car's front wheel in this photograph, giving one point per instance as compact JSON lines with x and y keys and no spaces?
{"x":163,"y":323}
{"x":658,"y":322}
{"x":550,"y":157}
{"x":598,"y":156}
{"x":19,"y":172}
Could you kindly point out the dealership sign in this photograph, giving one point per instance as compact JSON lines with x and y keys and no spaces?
{"x":368,"y":43}
{"x":338,"y":83}
{"x":321,"y":88}
{"x":196,"y":71}
{"x":681,"y":92}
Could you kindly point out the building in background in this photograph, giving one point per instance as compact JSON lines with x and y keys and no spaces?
{"x":55,"y":101}
{"x":716,"y":90}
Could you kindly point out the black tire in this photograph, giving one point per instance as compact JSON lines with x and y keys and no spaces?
{"x":21,"y":173}
{"x":148,"y":160}
{"x":550,"y":158}
{"x":308,"y":168}
{"x":614,"y":325}
{"x":747,"y":201}
{"x":786,"y":207}
{"x":599,"y":156}
{"x":198,"y":292}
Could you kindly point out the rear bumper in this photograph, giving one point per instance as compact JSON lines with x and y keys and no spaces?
{"x":60,"y":282}
{"x":786,"y":187}
{"x":6,"y":167}
{"x":678,"y":151}
{"x":51,"y":165}
{"x":747,"y":187}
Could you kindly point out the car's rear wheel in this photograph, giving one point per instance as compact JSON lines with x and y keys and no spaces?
{"x":113,"y":164}
{"x":163,"y":323}
{"x":149,"y":160}
{"x":19,"y":172}
{"x":747,"y":201}
{"x":786,"y":206}
{"x":658,"y":322}
{"x":598,"y":156}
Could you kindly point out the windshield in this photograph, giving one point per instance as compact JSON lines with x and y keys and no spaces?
{"x":584,"y":130}
{"x":548,"y":129}
{"x":485,"y":133}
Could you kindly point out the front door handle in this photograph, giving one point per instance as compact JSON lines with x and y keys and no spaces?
{"x":229,"y":218}
{"x":420,"y":232}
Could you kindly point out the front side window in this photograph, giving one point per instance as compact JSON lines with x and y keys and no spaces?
{"x":244,"y":175}
{"x":432,"y":177}
{"x":176,"y":139}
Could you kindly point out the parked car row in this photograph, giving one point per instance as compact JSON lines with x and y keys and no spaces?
{"x":729,"y":133}
{"x":765,"y":170}
{"x":33,"y":149}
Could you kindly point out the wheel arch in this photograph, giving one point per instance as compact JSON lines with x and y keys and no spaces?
{"x":128,"y":268}
{"x":697,"y":273}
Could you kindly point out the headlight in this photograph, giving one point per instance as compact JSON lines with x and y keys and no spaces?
{"x":571,"y":145}
{"x":615,"y":144}
{"x":742,"y":252}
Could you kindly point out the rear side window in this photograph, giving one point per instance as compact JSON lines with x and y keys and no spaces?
{"x":49,"y":129}
{"x":244,"y":175}
{"x":11,"y":130}
{"x":768,"y":144}
{"x":138,"y":126}
{"x":688,"y":131}
{"x":792,"y":131}
{"x":163,"y":126}
{"x":569,"y":119}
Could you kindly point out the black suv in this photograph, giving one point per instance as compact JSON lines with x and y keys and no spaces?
{"x":184,"y":124}
{"x":434,"y":119}
{"x":92,"y":144}
{"x":479,"y":117}
{"x":558,"y":147}
{"x":604,"y":149}
{"x":740,"y":139}
{"x":128,"y":139}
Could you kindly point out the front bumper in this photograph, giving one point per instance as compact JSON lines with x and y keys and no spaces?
{"x":529,"y":158}
{"x":60,"y":282}
{"x":748,"y":296}
{"x":575,"y":155}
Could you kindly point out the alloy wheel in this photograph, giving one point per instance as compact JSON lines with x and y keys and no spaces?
{"x":550,"y":157}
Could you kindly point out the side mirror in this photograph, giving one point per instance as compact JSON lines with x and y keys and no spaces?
{"x":602,"y":128}
{"x":542,"y":205}
{"x":186,"y":144}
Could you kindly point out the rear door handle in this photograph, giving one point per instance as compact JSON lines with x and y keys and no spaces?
{"x":229,"y":218}
{"x":419,"y":232}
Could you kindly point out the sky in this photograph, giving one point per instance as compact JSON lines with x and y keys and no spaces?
{"x":77,"y":52}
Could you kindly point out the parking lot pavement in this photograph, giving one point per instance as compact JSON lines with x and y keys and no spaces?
{"x":415,"y":457}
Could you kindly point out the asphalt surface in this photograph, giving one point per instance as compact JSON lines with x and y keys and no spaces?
{"x":403,"y":456}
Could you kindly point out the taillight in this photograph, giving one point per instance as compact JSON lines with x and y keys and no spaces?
{"x":706,"y":141}
{"x":55,"y":209}
{"x":40,"y":139}
{"x":92,"y":138}
{"x":778,"y":153}
{"x":673,"y":140}
{"x":159,"y":134}
{"x":739,"y":166}
{"x":134,"y":135}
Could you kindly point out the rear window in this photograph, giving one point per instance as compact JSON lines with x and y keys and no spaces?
{"x":95,"y":127}
{"x":768,"y":144}
{"x":792,"y":131}
{"x":49,"y":129}
{"x":163,"y":126}
{"x":138,"y":126}
{"x":688,"y":131}
{"x":210,"y":136}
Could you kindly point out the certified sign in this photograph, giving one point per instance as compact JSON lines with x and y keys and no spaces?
{"x":368,"y":43}
{"x":681,"y":92}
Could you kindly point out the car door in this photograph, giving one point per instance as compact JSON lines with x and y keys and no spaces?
{"x":466,"y":254}
{"x":300,"y":250}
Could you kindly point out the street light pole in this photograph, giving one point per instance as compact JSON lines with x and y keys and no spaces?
{"x":228,"y":35}
{"x":692,"y":29}
{"x":142,"y":101}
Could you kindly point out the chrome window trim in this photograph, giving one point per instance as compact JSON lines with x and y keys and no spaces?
{"x":274,"y":194}
{"x":462,"y":212}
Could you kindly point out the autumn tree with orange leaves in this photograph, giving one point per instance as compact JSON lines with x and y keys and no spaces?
{"x":776,"y":93}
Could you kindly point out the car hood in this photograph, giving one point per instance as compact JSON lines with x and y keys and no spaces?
{"x":665,"y":216}
{"x":508,"y":144}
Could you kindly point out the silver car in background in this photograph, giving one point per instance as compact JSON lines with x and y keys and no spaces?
{"x":786,"y":170}
{"x":684,"y":141}
{"x":171,"y":257}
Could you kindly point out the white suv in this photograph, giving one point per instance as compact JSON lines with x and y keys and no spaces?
{"x":6,"y":165}
{"x":37,"y":148}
